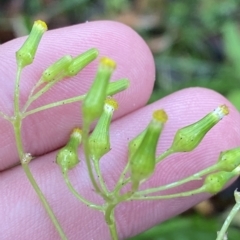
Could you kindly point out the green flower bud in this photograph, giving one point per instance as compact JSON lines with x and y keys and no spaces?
{"x":94,"y":101}
{"x":229,"y":159}
{"x":117,"y":86}
{"x":67,"y":157}
{"x":216,"y":181}
{"x":57,"y":69}
{"x":142,"y":162}
{"x":188,"y":138}
{"x":99,"y":140}
{"x":81,"y":61}
{"x":25,"y":55}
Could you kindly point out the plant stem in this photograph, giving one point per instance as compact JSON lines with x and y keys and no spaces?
{"x":183,"y":194}
{"x":44,"y":202}
{"x":17,"y":122}
{"x":164,"y":155}
{"x":77,"y":195}
{"x":100,"y":177}
{"x":110,"y":91}
{"x":227,"y":222}
{"x":194,"y":177}
{"x":4,"y":116}
{"x":110,"y":220}
{"x":87,"y":158}
{"x":38,"y":94}
{"x":121,"y":181}
{"x":55,"y":104}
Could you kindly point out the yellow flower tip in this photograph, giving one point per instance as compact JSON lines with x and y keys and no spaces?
{"x":112,"y":102}
{"x":77,"y":132}
{"x":160,"y":115}
{"x":41,"y":24}
{"x":225,"y":109}
{"x":105,"y":61}
{"x":221,"y":111}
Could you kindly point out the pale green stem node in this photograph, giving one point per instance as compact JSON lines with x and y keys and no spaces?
{"x":81,"y":61}
{"x":142,"y":162}
{"x":25,"y":55}
{"x":229,"y":159}
{"x":56,"y":69}
{"x":94,"y":101}
{"x":99,"y":140}
{"x":189,"y":137}
{"x":67,"y":157}
{"x":216,"y":181}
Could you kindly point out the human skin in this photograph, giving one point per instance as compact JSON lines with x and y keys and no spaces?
{"x":22,"y":214}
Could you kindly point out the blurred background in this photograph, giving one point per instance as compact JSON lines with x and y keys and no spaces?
{"x":194,"y":43}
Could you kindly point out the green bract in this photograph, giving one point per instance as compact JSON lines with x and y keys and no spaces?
{"x":67,"y":157}
{"x":188,"y":138}
{"x":25,"y":55}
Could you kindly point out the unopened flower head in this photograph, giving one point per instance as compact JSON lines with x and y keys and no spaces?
{"x":142,"y":159}
{"x":67,"y":157}
{"x":229,"y":160}
{"x":81,"y":61}
{"x":57,"y":69}
{"x":188,"y":138}
{"x":99,"y":140}
{"x":25,"y":55}
{"x":215,"y":182}
{"x":94,"y":101}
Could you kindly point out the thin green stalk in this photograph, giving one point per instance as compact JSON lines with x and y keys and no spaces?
{"x":38,"y":94}
{"x":194,"y":177}
{"x":100,"y":177}
{"x":17,"y":121}
{"x":44,"y":202}
{"x":164,"y":155}
{"x":183,"y":194}
{"x":227,"y":222}
{"x":121,"y":181}
{"x":111,"y":222}
{"x":87,"y":158}
{"x":16,"y":91}
{"x":55,"y":104}
{"x":4,"y":116}
{"x":77,"y":195}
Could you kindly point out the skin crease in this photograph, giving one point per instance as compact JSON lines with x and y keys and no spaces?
{"x":22,"y":215}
